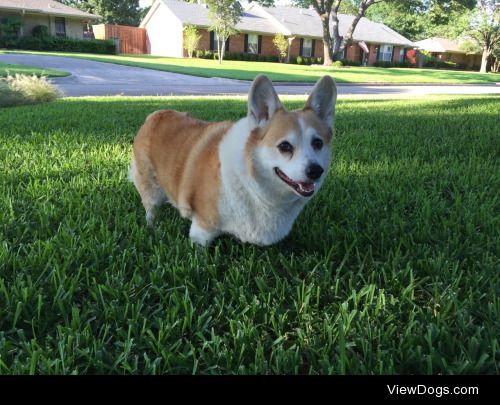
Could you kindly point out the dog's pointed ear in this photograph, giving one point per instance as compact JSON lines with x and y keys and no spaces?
{"x":262,"y":101}
{"x":323,"y":99}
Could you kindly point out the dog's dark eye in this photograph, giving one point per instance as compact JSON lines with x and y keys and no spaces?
{"x":285,"y":147}
{"x":317,"y":143}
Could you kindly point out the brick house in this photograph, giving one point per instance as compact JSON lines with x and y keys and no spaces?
{"x":61,"y":20}
{"x":447,"y":50}
{"x":166,"y":20}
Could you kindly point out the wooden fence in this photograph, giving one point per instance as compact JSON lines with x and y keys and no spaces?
{"x":129,"y":39}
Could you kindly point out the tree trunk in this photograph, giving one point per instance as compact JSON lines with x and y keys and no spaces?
{"x":222,"y":49}
{"x":484,"y":60}
{"x":327,"y":39}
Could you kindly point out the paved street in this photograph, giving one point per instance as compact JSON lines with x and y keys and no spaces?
{"x":90,"y":78}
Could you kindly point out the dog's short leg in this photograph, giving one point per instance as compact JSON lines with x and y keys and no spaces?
{"x":200,"y":235}
{"x":144,"y":179}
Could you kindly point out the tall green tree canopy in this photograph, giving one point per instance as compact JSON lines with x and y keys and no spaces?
{"x":419,"y":19}
{"x":482,"y":31}
{"x":124,"y":12}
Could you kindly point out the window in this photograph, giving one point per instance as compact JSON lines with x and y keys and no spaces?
{"x":385,"y":53}
{"x":307,"y":47}
{"x":253,"y":43}
{"x":60,"y":24}
{"x":402,"y":55}
{"x":214,"y":39}
{"x":343,"y":54}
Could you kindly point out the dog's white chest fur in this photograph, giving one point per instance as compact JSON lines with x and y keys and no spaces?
{"x":247,"y":209}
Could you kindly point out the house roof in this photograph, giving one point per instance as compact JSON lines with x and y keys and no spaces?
{"x":306,"y":22}
{"x":45,"y":7}
{"x":197,"y":14}
{"x":439,"y":45}
{"x":290,"y":21}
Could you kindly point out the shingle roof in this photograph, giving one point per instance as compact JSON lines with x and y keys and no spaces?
{"x":289,"y":21}
{"x":439,"y":45}
{"x":197,"y":14}
{"x":306,"y":22}
{"x":45,"y":7}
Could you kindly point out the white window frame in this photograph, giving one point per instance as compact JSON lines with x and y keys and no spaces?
{"x":309,"y":48}
{"x":385,"y":52}
{"x":253,"y":47}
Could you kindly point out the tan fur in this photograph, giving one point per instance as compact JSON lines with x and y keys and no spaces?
{"x":179,"y":154}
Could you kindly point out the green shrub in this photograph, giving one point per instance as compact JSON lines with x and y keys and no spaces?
{"x":23,"y":89}
{"x":435,"y":63}
{"x":402,"y":64}
{"x":9,"y":31}
{"x":191,"y":39}
{"x":383,"y":64}
{"x":50,"y":43}
{"x":40,"y":31}
{"x":347,"y":62}
{"x":207,"y":54}
{"x":300,"y":60}
{"x":337,"y":64}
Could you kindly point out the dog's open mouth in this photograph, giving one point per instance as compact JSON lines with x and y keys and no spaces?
{"x":303,"y":188}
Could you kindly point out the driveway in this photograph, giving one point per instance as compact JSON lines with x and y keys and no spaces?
{"x":90,"y":78}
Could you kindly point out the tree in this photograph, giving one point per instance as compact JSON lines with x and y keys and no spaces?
{"x":334,"y":44}
{"x":405,"y":18}
{"x":281,"y":44}
{"x":223,"y":16}
{"x":125,"y":12}
{"x":420,"y":19}
{"x":191,"y":39}
{"x":484,"y":30}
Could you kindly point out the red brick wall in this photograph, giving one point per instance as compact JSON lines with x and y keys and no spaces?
{"x":237,"y":43}
{"x":204,"y":40}
{"x":318,"y":48}
{"x":295,"y":47}
{"x":354,"y":53}
{"x":268,"y":47}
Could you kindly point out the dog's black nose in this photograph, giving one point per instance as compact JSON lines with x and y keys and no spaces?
{"x":314,"y":171}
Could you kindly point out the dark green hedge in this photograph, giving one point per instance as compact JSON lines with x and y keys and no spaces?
{"x":304,"y":60}
{"x":48,"y":43}
{"x":386,"y":64}
{"x":206,"y":54}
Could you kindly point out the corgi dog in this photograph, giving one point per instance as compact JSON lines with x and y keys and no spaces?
{"x":250,"y":178}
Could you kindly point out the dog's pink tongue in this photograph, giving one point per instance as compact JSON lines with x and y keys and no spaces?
{"x":306,"y":187}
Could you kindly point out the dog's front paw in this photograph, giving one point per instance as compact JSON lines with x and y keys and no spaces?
{"x":201,"y":236}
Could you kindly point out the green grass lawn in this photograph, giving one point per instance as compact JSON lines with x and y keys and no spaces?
{"x":288,"y":72}
{"x":392,"y":268}
{"x":9,"y":68}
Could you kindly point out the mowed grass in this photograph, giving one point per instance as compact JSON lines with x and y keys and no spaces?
{"x":12,"y":69}
{"x":392,"y":268}
{"x":280,"y":72}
